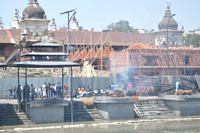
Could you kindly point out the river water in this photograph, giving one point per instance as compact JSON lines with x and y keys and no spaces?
{"x":123,"y":126}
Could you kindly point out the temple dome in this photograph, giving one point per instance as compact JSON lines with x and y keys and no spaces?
{"x":33,"y":11}
{"x":172,"y":23}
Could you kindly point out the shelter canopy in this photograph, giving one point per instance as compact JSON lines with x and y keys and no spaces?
{"x":46,"y":63}
{"x":2,"y":65}
{"x":46,"y":44}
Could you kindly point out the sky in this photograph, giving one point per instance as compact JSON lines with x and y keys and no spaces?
{"x":98,"y":14}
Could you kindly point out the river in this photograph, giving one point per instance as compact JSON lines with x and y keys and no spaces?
{"x":183,"y":124}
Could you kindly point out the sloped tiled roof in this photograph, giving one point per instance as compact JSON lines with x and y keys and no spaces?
{"x":141,"y":55}
{"x":112,"y":38}
{"x":86,"y":37}
{"x":5,"y":37}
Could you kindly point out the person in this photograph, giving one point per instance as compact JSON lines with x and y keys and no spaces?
{"x":26,"y":91}
{"x":53,"y":94}
{"x":111,"y":90}
{"x":177,"y":86}
{"x":40,"y":92}
{"x":66,"y":89}
{"x":10,"y":90}
{"x":89,"y":91}
{"x":19,"y":90}
{"x":82,"y":92}
{"x":129,"y":90}
{"x":49,"y":90}
{"x":58,"y":89}
{"x":112,"y":86}
{"x":44,"y":91}
{"x":32,"y":90}
{"x":76,"y":93}
{"x":15,"y":91}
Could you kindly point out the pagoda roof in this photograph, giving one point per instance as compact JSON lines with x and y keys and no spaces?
{"x":45,"y":44}
{"x":2,"y":65}
{"x":45,"y":54}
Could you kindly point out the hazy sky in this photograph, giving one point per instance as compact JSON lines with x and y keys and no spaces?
{"x":98,"y":14}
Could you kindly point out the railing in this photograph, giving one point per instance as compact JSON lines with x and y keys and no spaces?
{"x":137,"y":111}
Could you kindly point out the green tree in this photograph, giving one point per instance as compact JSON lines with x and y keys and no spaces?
{"x":193,"y":39}
{"x":120,"y":26}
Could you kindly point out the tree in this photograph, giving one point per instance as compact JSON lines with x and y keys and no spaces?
{"x":193,"y":39}
{"x":81,"y":28}
{"x":120,"y":26}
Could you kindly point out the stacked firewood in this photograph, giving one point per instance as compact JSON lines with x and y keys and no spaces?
{"x":184,"y":92}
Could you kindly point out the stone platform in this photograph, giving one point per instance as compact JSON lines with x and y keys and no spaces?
{"x":114,"y":108}
{"x":46,"y":111}
{"x":186,"y":104}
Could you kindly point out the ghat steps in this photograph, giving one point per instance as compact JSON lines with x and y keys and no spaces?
{"x":81,"y":113}
{"x":154,"y":108}
{"x":9,"y":115}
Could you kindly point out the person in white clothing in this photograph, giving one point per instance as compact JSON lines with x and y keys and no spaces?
{"x":44,"y":90}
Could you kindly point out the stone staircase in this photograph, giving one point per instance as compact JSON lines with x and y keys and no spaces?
{"x":81,"y":113}
{"x":10,"y":116}
{"x":154,"y":108}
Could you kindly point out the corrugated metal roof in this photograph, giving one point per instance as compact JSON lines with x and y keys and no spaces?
{"x":46,"y":63}
{"x":45,"y":54}
{"x":46,"y":44}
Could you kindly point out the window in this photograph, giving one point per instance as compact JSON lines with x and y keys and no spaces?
{"x":150,"y":60}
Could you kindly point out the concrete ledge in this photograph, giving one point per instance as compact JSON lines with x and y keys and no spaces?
{"x":47,"y":111}
{"x":48,"y":103}
{"x":114,"y":100}
{"x":114,"y":108}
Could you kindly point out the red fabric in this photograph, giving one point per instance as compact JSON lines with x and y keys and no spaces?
{"x":66,"y":87}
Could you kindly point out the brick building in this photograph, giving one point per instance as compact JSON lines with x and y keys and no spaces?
{"x":147,"y":60}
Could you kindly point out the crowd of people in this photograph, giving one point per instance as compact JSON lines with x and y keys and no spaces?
{"x":47,"y":91}
{"x":83,"y":92}
{"x":53,"y":91}
{"x":12,"y":92}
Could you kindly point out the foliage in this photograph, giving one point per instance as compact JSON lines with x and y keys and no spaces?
{"x":41,"y":72}
{"x":81,"y":28}
{"x":193,"y":39}
{"x":40,"y":39}
{"x":31,"y":70}
{"x":120,"y":26}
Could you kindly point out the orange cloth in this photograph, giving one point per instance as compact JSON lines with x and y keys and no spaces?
{"x":136,"y":98}
{"x":114,"y":95}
